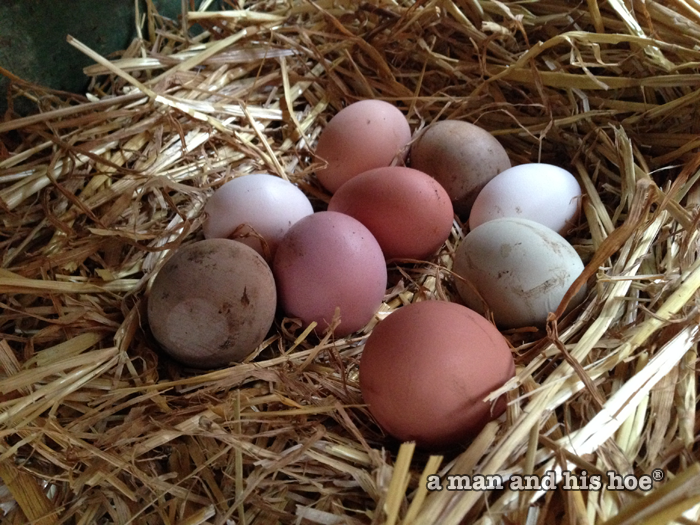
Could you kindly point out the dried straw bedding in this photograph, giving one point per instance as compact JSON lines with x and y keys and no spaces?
{"x":98,"y":426}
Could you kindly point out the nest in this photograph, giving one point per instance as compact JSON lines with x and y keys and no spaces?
{"x":99,"y":426}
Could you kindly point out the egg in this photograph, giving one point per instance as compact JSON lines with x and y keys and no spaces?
{"x":426,"y":369}
{"x":330,"y":261}
{"x":212,"y":303}
{"x":542,"y":193}
{"x":461,"y":156}
{"x":520,"y":268}
{"x":255,"y":209}
{"x":362,"y":136}
{"x":407,"y":211}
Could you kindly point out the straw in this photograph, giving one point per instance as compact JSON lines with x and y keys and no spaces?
{"x":97,"y":191}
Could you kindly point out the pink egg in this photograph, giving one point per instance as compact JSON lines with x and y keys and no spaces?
{"x":254,"y":207}
{"x":363,"y":136}
{"x":329,"y":260}
{"x":409,"y":213}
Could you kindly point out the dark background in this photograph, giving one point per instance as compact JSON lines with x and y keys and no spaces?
{"x":33,"y":39}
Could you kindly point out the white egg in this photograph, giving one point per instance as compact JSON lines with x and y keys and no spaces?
{"x":539,"y":192}
{"x":254,"y":207}
{"x":520,"y":268}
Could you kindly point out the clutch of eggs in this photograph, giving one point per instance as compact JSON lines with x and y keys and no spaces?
{"x":427,"y":369}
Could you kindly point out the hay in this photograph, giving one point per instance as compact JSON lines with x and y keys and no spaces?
{"x":98,"y":426}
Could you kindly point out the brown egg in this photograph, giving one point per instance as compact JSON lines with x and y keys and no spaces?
{"x":212,"y":303}
{"x":426,"y":369}
{"x":365,"y":135}
{"x":407,"y":211}
{"x":461,"y":156}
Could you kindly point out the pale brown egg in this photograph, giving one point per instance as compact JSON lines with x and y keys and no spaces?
{"x":426,"y":369}
{"x":212,"y":303}
{"x":461,"y":156}
{"x":365,"y":135}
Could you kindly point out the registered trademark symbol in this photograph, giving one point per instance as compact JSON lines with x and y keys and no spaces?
{"x":657,"y":474}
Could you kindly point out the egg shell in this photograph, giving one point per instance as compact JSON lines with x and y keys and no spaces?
{"x":362,"y":136}
{"x":212,"y":303}
{"x":407,"y":211}
{"x":258,"y":203}
{"x":427,"y":368}
{"x":329,"y":260}
{"x":542,"y":193}
{"x":460,"y":156}
{"x":520,"y":268}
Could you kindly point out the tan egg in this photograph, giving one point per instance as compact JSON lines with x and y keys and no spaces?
{"x":365,"y":135}
{"x":460,"y":156}
{"x":212,"y":303}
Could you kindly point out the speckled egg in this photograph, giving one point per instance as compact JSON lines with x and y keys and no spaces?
{"x":461,"y":156}
{"x":212,"y":303}
{"x":519,"y":268}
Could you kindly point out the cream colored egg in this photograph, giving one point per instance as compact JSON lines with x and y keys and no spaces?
{"x":520,"y":268}
{"x":542,"y":193}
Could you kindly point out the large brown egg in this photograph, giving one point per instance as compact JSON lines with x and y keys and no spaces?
{"x":407,"y":211}
{"x":426,"y":369}
{"x":212,"y":303}
{"x":365,"y":135}
{"x":461,"y":156}
{"x":330,"y":261}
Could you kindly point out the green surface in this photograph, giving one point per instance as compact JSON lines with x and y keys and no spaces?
{"x":33,"y":39}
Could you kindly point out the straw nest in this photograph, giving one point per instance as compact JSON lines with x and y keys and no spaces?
{"x":98,"y":426}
